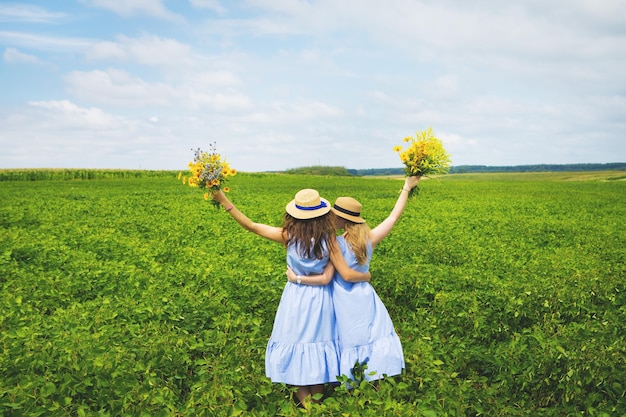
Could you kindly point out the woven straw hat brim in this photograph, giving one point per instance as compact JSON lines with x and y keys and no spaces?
{"x":348,"y":208}
{"x":307,"y":214}
{"x":353,"y":219}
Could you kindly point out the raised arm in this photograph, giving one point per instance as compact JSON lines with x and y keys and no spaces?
{"x":263,"y":230}
{"x":382,"y":230}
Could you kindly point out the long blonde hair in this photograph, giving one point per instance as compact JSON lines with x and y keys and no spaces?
{"x":357,"y":236}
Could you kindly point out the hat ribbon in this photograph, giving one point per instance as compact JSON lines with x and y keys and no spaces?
{"x":348,"y":212}
{"x":321,"y":205}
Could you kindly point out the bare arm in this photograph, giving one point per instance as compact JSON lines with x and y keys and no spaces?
{"x":348,"y":274}
{"x":263,"y":230}
{"x":383,"y":229}
{"x":322,"y":279}
{"x":344,"y":270}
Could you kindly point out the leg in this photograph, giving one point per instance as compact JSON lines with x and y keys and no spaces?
{"x":308,"y":391}
{"x":301,"y":395}
{"x":317,"y":389}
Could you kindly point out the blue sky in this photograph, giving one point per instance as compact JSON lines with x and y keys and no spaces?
{"x":279,"y":84}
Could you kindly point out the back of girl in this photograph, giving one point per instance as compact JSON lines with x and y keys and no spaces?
{"x":304,"y":327}
{"x":366,"y":332}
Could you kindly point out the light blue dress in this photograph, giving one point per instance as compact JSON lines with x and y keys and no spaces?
{"x":366,"y":333}
{"x":303,"y":348}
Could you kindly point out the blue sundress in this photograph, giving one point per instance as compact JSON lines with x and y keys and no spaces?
{"x":366,"y":332}
{"x":303,"y":347}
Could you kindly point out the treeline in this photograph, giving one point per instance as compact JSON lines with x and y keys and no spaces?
{"x":463,"y":169}
{"x":76,"y":174}
{"x":321,"y":170}
{"x":36,"y":174}
{"x":376,"y":172}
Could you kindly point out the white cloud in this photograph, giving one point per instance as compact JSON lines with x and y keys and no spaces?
{"x":181,"y":65}
{"x":481,"y":33}
{"x":117,"y":88}
{"x":286,"y":83}
{"x":107,"y":50}
{"x":28,"y":13}
{"x":446,"y":85}
{"x":128,"y":8}
{"x":114,"y":87}
{"x":65,"y":114}
{"x":44,"y":42}
{"x":64,"y":134}
{"x":13,"y":56}
{"x":214,"y":5}
{"x":282,"y":114}
{"x":148,"y":50}
{"x":214,"y":78}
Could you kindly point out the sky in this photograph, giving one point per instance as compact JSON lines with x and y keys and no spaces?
{"x":280,"y":84}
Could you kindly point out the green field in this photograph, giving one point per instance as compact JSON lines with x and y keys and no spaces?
{"x":131,"y":295}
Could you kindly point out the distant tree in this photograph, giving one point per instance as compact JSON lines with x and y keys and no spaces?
{"x":460,"y":169}
{"x":538,"y":168}
{"x":320,"y":170}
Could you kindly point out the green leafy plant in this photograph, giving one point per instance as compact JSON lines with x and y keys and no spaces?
{"x":118,"y":299}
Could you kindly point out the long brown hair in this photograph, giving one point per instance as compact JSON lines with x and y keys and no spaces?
{"x":357,"y":235}
{"x":310,"y":234}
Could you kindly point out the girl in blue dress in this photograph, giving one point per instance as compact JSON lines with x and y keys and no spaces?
{"x":303,"y":349}
{"x":366,"y":332}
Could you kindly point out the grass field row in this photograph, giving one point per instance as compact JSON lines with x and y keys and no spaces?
{"x":133,"y":296}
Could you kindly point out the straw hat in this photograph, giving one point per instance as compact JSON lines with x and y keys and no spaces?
{"x":308,"y":205}
{"x":348,"y":208}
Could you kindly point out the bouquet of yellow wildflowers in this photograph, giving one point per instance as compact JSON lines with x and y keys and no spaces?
{"x":209,"y":172}
{"x":424,"y":156}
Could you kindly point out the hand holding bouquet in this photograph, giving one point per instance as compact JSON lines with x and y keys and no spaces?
{"x":208,"y":171}
{"x":424,"y":156}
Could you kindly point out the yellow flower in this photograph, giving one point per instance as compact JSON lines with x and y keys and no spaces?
{"x":425,"y":155}
{"x":226,"y":189}
{"x":233,"y":171}
{"x":208,"y":171}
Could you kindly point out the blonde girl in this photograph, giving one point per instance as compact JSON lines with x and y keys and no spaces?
{"x":366,"y":332}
